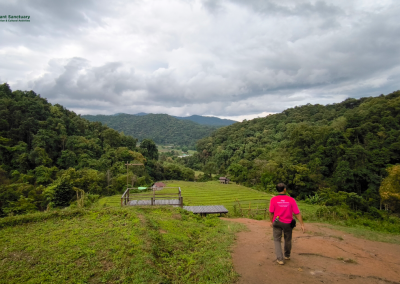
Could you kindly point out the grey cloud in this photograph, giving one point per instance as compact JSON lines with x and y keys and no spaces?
{"x":301,"y":8}
{"x":55,"y":18}
{"x":80,"y":81}
{"x":235,"y":57}
{"x":213,"y":6}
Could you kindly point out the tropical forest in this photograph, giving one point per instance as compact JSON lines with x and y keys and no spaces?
{"x":62,"y":177}
{"x":340,"y":154}
{"x":161,"y":128}
{"x":345,"y":153}
{"x":49,"y":156}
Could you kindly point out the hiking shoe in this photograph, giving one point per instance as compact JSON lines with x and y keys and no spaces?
{"x":280,"y":262}
{"x":287,"y":257}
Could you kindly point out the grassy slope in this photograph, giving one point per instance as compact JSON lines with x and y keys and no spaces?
{"x":114,"y":245}
{"x":133,"y":245}
{"x":207,"y":193}
{"x":213,"y":193}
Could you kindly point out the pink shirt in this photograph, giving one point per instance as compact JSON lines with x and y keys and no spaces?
{"x":283,"y":206}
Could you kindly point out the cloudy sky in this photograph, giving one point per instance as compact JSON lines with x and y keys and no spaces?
{"x":228,"y":58}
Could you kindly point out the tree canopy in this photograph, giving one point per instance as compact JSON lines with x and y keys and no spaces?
{"x":345,"y":147}
{"x":50,"y":155}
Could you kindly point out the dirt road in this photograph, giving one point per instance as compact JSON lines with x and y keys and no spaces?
{"x":322,"y":255}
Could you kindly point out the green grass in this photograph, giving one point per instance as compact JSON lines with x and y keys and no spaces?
{"x":207,"y":193}
{"x":367,"y":233}
{"x":163,"y":149}
{"x":214,"y":193}
{"x":197,"y":173}
{"x":117,"y":245}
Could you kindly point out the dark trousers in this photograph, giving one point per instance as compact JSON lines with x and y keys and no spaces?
{"x":278,"y":228}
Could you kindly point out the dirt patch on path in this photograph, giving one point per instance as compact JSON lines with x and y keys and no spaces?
{"x":322,"y":255}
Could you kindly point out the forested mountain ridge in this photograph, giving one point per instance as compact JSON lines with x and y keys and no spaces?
{"x":344,"y":147}
{"x":50,"y":155}
{"x":161,"y":128}
{"x":207,"y":120}
{"x":203,"y":120}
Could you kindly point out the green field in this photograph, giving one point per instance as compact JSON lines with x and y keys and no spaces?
{"x":214,"y":193}
{"x":207,"y":193}
{"x":163,"y":149}
{"x":116,"y":245}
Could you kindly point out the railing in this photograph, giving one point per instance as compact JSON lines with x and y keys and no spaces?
{"x":250,"y":213}
{"x":125,"y":198}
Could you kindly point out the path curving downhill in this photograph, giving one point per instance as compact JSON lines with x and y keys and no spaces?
{"x":322,"y":255}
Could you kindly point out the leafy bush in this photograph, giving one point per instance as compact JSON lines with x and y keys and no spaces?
{"x":22,"y":205}
{"x":316,"y":199}
{"x":62,"y":192}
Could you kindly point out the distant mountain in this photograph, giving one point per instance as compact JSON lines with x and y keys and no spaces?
{"x":203,"y":120}
{"x":138,"y":114}
{"x":161,"y":128}
{"x":141,"y":113}
{"x":208,"y":120}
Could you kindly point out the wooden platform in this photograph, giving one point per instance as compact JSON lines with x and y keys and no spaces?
{"x":203,"y":210}
{"x":156,"y":202}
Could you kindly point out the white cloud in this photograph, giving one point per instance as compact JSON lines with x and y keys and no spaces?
{"x":247,"y":117}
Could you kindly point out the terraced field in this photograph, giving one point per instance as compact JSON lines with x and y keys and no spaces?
{"x":207,"y":193}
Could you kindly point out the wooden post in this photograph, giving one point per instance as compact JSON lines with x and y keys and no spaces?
{"x":122,"y":200}
{"x":127,"y":181}
{"x":180,"y":198}
{"x":152,"y":201}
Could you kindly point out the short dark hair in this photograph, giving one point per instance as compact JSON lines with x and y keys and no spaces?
{"x":280,"y":187}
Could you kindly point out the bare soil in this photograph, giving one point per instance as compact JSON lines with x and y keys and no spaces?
{"x":321,"y":255}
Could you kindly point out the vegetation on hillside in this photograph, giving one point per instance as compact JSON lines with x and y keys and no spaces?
{"x":161,"y":128}
{"x":333,"y":155}
{"x":50,"y":156}
{"x":207,"y":120}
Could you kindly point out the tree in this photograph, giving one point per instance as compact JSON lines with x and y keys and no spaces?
{"x":343,"y":176}
{"x":149,"y":149}
{"x":390,"y":189}
{"x":61,"y":192}
{"x":44,"y":175}
{"x":111,"y":137}
{"x":67,"y":159}
{"x":210,"y":168}
{"x":39,"y":157}
{"x":238,"y":172}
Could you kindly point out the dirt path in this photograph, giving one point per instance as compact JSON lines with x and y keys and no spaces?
{"x":322,"y":255}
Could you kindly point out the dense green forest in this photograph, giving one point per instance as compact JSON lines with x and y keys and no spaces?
{"x":332,"y":154}
{"x":161,"y":128}
{"x":50,"y":155}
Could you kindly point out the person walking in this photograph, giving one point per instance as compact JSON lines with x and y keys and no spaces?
{"x":281,"y":210}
